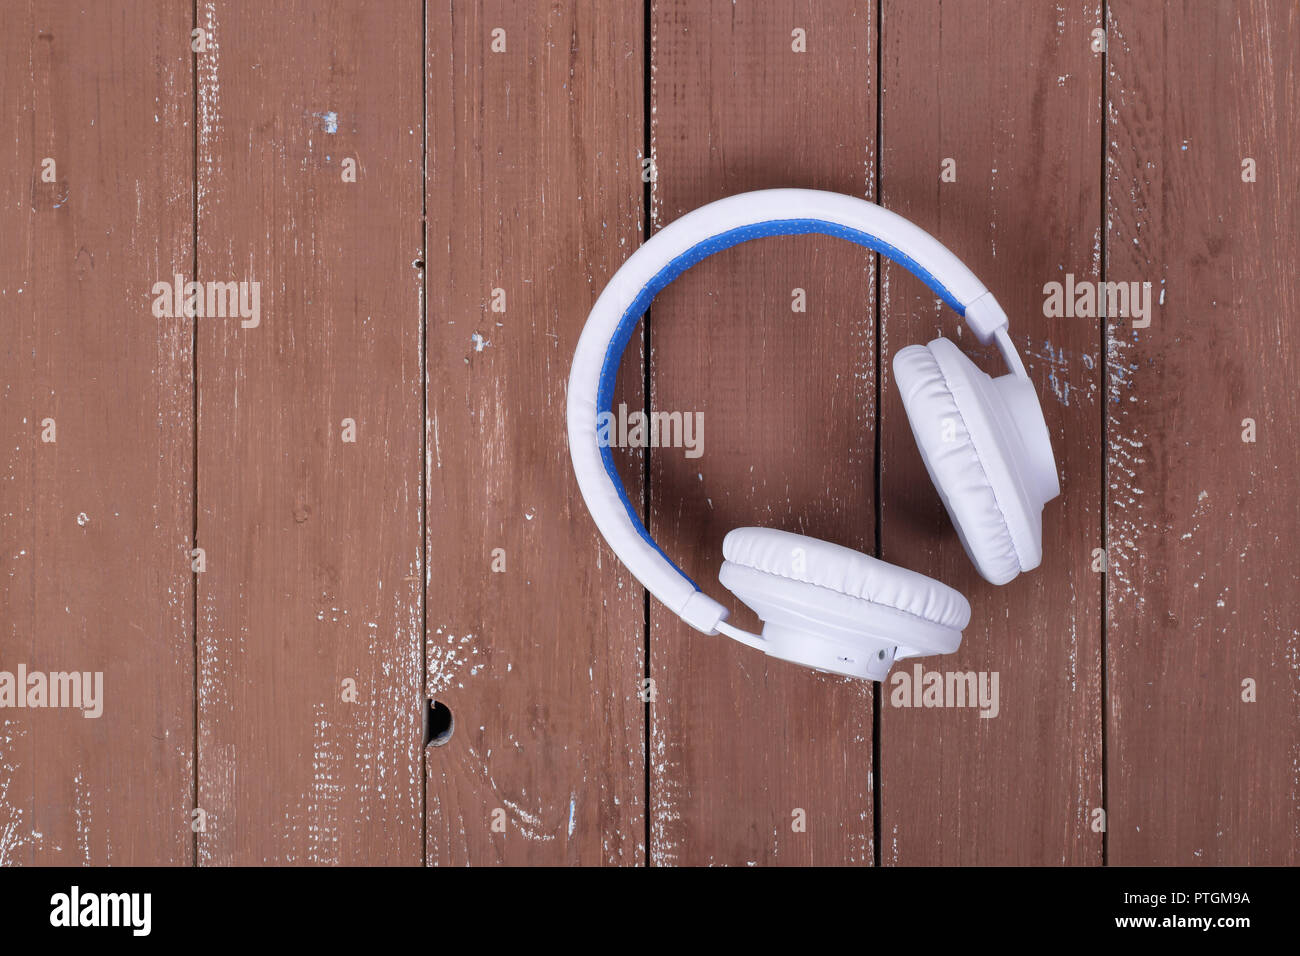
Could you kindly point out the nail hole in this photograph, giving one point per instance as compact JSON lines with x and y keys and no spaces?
{"x":440,"y":724}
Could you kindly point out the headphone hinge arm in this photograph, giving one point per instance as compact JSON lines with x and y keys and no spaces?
{"x":745,"y":637}
{"x":1009,"y":354}
{"x":989,"y":323}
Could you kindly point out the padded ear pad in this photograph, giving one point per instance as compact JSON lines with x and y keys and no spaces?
{"x":984,"y":444}
{"x":833,"y":608}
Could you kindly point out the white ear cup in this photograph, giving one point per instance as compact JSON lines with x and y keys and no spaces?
{"x":986,"y":448}
{"x":836,"y":609}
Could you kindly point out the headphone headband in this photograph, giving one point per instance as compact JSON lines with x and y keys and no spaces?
{"x":664,"y":257}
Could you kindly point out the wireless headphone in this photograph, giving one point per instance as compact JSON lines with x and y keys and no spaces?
{"x":984,"y":442}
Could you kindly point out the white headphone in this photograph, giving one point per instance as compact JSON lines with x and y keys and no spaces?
{"x":983,"y":440}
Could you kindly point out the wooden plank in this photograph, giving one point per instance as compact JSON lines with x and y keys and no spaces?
{"x":1203,"y":591}
{"x":741,"y":742}
{"x":1024,"y":210}
{"x":313,"y":544}
{"x":534,"y":189}
{"x":95,"y":526}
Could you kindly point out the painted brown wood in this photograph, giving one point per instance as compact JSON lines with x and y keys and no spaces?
{"x":741,"y":742}
{"x":95,"y":526}
{"x":1203,"y":593}
{"x":313,"y":545}
{"x":534,"y":198}
{"x":1024,"y":210}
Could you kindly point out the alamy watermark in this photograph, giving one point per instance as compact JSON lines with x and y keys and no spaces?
{"x":210,"y":300}
{"x":1085,"y":300}
{"x":133,"y":911}
{"x":922,"y":688}
{"x":79,"y":690}
{"x":638,"y":429}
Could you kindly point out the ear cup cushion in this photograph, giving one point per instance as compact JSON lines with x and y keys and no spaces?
{"x":953,"y":460}
{"x":844,"y":571}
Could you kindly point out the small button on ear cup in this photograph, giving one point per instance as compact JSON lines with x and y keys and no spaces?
{"x":982,"y":457}
{"x":836,"y":609}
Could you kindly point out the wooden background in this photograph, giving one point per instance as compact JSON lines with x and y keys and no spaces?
{"x":446,"y":555}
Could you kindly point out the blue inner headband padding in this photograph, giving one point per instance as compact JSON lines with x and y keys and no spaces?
{"x":696,"y":253}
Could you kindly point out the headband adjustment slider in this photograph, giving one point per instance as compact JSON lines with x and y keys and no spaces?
{"x":985,"y":317}
{"x":702,"y":612}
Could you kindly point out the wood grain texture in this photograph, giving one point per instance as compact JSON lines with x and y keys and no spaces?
{"x":740,"y":741}
{"x":1204,"y":590}
{"x":95,"y":526}
{"x":313,"y":544}
{"x":1024,"y":210}
{"x":534,"y":198}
